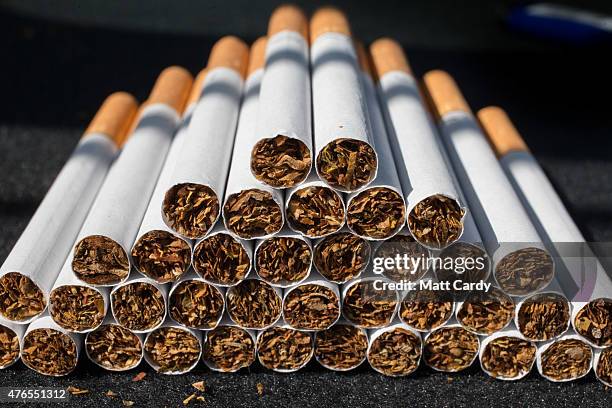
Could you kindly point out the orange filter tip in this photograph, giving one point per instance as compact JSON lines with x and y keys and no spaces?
{"x":288,"y":17}
{"x":500,"y":131}
{"x":172,"y":88}
{"x":444,"y":93}
{"x":114,"y":117}
{"x":257,"y":56}
{"x":229,"y":52}
{"x":326,"y":20}
{"x":196,"y":89}
{"x":388,"y":55}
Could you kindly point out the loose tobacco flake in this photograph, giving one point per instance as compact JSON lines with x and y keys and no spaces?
{"x":524,"y":271}
{"x":280,"y":348}
{"x":396,"y":352}
{"x":280,"y":161}
{"x":376,"y":213}
{"x":196,"y":304}
{"x":221,"y":259}
{"x":594,"y":322}
{"x":229,"y":348}
{"x":450,"y":349}
{"x":365,"y":306}
{"x":76,"y":391}
{"x":341,"y":347}
{"x":138,"y":306}
{"x":347,"y":164}
{"x":436,"y":221}
{"x":315,"y":211}
{"x":200,"y":386}
{"x":191,"y":209}
{"x":161,"y":256}
{"x":139,"y":377}
{"x":172,"y":349}
{"x":252,"y":213}
{"x":566,"y":359}
{"x":9,"y":346}
{"x":508,"y":357}
{"x":486,"y":312}
{"x":253,"y":304}
{"x":283,"y":260}
{"x":404,"y":246}
{"x":114,"y":347}
{"x":20,"y":297}
{"x":311,"y":307}
{"x":99,"y":260}
{"x":77,"y":307}
{"x":260,"y":389}
{"x":543,"y":316}
{"x":426,"y":310}
{"x":49,"y":352}
{"x":342,"y":256}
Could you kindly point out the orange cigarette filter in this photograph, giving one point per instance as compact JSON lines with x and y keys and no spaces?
{"x":288,"y":18}
{"x":388,"y":55}
{"x":196,"y":89}
{"x":257,"y":56}
{"x":328,"y":20}
{"x":500,"y":131}
{"x":229,"y":52}
{"x":134,"y":123}
{"x":172,"y":88}
{"x":114,"y":117}
{"x":444,"y":93}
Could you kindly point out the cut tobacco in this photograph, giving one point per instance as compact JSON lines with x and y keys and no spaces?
{"x":280,"y":161}
{"x":395,"y":352}
{"x":543,"y":316}
{"x":459,"y":253}
{"x":221,"y":259}
{"x":172,"y":350}
{"x":404,"y":247}
{"x":315,"y":211}
{"x":229,"y":348}
{"x":311,"y":307}
{"x":9,"y":346}
{"x":365,"y":306}
{"x":49,"y":352}
{"x":566,"y":359}
{"x":425,"y":309}
{"x":342,"y":256}
{"x":99,"y":260}
{"x":191,"y":209}
{"x":161,"y":256}
{"x":20,"y":297}
{"x":252,"y":213}
{"x":253,"y":304}
{"x":284,"y":349}
{"x":341,"y":347}
{"x":524,"y":271}
{"x":376,"y":213}
{"x":283,"y":260}
{"x":196,"y":304}
{"x":508,"y":357}
{"x":436,"y":221}
{"x":604,"y":366}
{"x":138,"y":306}
{"x":451,"y":349}
{"x":347,"y":164}
{"x":485,"y":312}
{"x":594,"y":322}
{"x":76,"y":307}
{"x":114,"y":347}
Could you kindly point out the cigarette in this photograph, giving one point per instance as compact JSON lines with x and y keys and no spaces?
{"x":424,"y":310}
{"x":435,"y":212}
{"x":254,"y":304}
{"x":139,"y":304}
{"x":196,"y":304}
{"x":283,"y":349}
{"x":592,"y":320}
{"x":486,"y":312}
{"x":284,"y":259}
{"x":506,"y":355}
{"x":342,"y":347}
{"x":11,"y":339}
{"x":565,"y":359}
{"x":113,"y":347}
{"x":341,"y":256}
{"x":366,"y":305}
{"x":229,"y":348}
{"x":450,"y":348}
{"x":468,"y":249}
{"x":602,"y":366}
{"x":281,"y":156}
{"x":378,"y":211}
{"x":192,"y":205}
{"x":543,"y":316}
{"x":101,"y":255}
{"x":49,"y":349}
{"x":521,"y":264}
{"x":395,"y":351}
{"x":345,"y":157}
{"x":28,"y":273}
{"x":403,"y":246}
{"x":172,"y":349}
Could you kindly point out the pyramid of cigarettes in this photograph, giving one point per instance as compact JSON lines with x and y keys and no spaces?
{"x":305,"y":197}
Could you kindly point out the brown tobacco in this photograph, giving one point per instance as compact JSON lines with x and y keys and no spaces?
{"x":486,"y":312}
{"x":280,"y":161}
{"x":311,"y":307}
{"x":401,"y":245}
{"x":367,"y":307}
{"x":161,"y":256}
{"x":460,"y":251}
{"x":396,"y":352}
{"x":376,"y":213}
{"x":138,"y":306}
{"x":282,"y":348}
{"x":566,"y":359}
{"x":283,"y":260}
{"x":191,"y":209}
{"x":315,"y":211}
{"x":342,"y":256}
{"x":172,"y":349}
{"x":594,"y":322}
{"x":426,"y":310}
{"x":20,"y":298}
{"x":347,"y":164}
{"x":114,"y":347}
{"x":604,"y":366}
{"x":451,"y":349}
{"x":253,"y":213}
{"x":77,"y":308}
{"x":543,"y":316}
{"x":196,"y":304}
{"x":253,"y":304}
{"x":9,"y":346}
{"x":341,"y":347}
{"x":221,"y":259}
{"x":508,"y":357}
{"x":99,"y":260}
{"x":436,"y":221}
{"x":49,"y":352}
{"x":524,"y":271}
{"x":229,"y":348}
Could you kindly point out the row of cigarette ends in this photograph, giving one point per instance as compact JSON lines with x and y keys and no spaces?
{"x":235,"y":217}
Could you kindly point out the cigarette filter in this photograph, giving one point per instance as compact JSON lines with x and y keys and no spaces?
{"x":506,"y":355}
{"x":173,"y":350}
{"x":435,"y":213}
{"x":27,"y":274}
{"x":345,"y":155}
{"x":341,"y":256}
{"x":368,"y":304}
{"x":228,"y":348}
{"x":192,"y":205}
{"x":283,"y":349}
{"x":450,"y":348}
{"x":284,"y":259}
{"x":113,"y":347}
{"x":521,"y":264}
{"x":196,"y":304}
{"x":254,"y":304}
{"x":395,"y":351}
{"x":281,"y":154}
{"x":485,"y":312}
{"x":11,"y":341}
{"x":602,"y":366}
{"x":139,"y":304}
{"x":567,"y":358}
{"x":342,"y":347}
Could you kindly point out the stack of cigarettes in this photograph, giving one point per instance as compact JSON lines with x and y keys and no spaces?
{"x":303,"y":197}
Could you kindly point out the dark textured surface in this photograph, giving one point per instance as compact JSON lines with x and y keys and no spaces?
{"x":54,"y":76}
